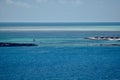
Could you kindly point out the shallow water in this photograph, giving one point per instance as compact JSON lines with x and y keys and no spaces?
{"x":58,"y":38}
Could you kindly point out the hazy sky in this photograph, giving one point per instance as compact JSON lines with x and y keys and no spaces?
{"x":59,"y":10}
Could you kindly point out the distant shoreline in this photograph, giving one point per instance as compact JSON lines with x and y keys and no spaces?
{"x":60,"y":26}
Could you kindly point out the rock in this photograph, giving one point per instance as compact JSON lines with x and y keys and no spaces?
{"x":103,"y":38}
{"x":7,"y":44}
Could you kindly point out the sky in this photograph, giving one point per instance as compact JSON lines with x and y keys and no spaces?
{"x":59,"y":10}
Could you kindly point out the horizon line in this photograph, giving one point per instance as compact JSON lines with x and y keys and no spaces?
{"x":59,"y":23}
{"x":56,"y":29}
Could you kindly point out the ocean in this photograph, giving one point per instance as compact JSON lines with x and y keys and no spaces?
{"x":60,"y":55}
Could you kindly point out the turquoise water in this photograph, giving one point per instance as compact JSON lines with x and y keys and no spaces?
{"x":96,"y":26}
{"x":61,"y":55}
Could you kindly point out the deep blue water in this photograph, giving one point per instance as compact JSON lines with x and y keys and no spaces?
{"x":55,"y":60}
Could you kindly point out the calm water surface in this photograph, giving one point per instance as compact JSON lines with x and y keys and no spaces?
{"x":59,"y":56}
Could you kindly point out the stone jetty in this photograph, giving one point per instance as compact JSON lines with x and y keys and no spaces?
{"x":9,"y":44}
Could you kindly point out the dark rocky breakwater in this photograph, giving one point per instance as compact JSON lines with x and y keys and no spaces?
{"x":9,"y":44}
